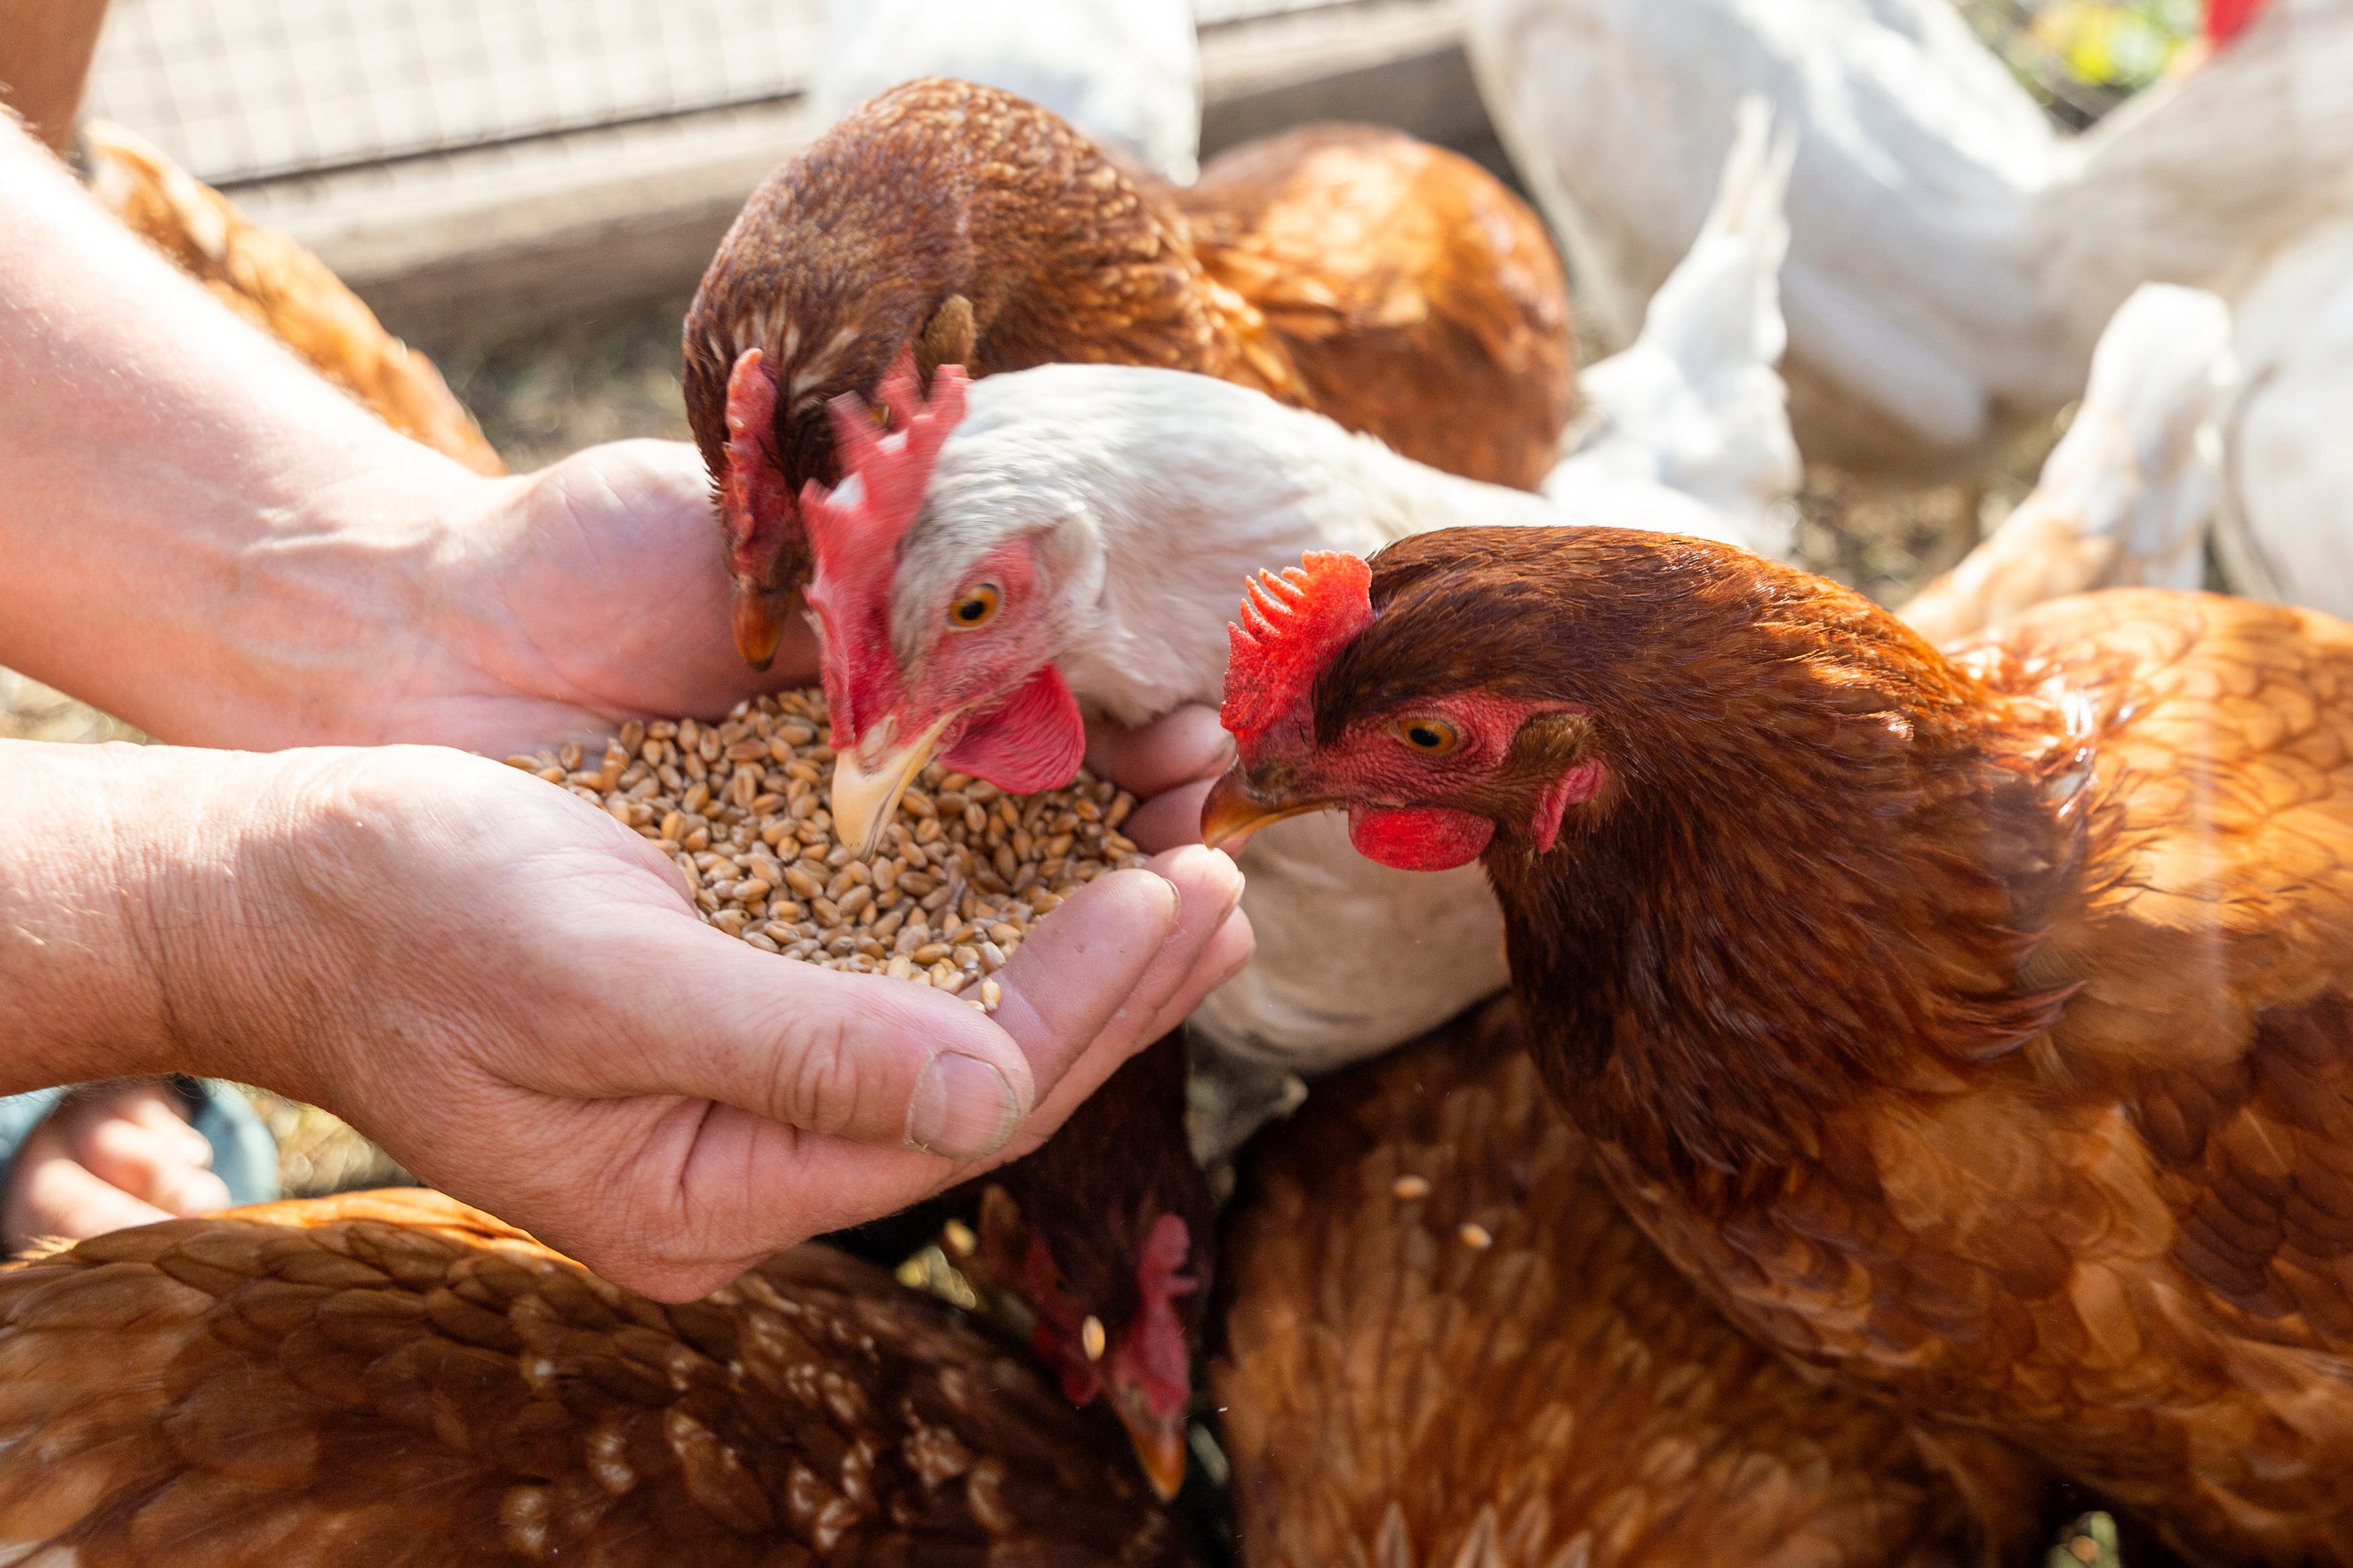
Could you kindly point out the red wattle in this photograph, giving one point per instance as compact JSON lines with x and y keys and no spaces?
{"x":1036,"y":742}
{"x":1419,"y":838}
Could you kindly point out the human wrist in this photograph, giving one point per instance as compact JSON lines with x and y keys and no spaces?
{"x":140,"y":928}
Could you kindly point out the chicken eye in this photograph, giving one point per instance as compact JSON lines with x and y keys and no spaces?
{"x":975,"y":608}
{"x":1430,"y":737}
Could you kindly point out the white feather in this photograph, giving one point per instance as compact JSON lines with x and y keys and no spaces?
{"x":1127,"y":72}
{"x":1952,"y":260}
{"x":2126,"y":497}
{"x":2285,"y":526}
{"x":1154,"y":495}
{"x":1688,"y":429}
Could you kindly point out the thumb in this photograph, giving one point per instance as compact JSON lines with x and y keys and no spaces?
{"x":872,"y":1060}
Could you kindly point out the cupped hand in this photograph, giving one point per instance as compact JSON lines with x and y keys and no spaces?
{"x":514,"y":994}
{"x":113,"y":1155}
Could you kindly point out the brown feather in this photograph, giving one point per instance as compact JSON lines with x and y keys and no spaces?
{"x":1555,"y":1393}
{"x":395,"y":1378}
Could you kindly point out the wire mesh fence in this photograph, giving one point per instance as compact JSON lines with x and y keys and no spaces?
{"x":241,"y":90}
{"x":248,"y":90}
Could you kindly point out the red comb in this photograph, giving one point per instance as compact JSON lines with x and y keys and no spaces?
{"x":751,"y":497}
{"x":1290,"y":626}
{"x":854,"y":544}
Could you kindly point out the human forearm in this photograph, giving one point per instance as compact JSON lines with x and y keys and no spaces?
{"x":114,"y":864}
{"x":185,"y":506}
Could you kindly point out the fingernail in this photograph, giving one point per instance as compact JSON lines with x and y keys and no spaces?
{"x":963,"y":1109}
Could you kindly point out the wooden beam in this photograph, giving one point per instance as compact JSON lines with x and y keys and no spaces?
{"x":581,"y":222}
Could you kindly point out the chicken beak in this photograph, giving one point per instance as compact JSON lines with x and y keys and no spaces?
{"x":1232,"y":812}
{"x":1159,"y":1446}
{"x":759,"y":623}
{"x":866,"y":788}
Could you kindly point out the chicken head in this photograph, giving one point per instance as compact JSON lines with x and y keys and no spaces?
{"x":973,"y":683}
{"x":1428,"y":776}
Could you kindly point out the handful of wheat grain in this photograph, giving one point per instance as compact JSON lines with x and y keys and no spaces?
{"x":963,"y":874}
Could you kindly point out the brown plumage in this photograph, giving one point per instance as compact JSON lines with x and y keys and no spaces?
{"x":1544,"y":1390}
{"x":1979,"y":1028}
{"x":1396,"y":287}
{"x":394,"y":1378}
{"x":282,"y":289}
{"x":1081,"y":1231}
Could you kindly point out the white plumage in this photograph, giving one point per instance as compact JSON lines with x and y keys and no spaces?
{"x":1952,"y":260}
{"x":1149,"y":497}
{"x":1127,"y":72}
{"x":2284,"y":529}
{"x":2126,"y":497}
{"x":1687,"y":431}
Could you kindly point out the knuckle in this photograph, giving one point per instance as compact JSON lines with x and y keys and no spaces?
{"x":818,"y":1084}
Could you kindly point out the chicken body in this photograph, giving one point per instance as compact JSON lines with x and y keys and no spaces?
{"x":282,"y":289}
{"x":1447,"y":1343}
{"x":977,"y":228}
{"x":394,"y":1378}
{"x":1977,"y":1029}
{"x":1955,"y":259}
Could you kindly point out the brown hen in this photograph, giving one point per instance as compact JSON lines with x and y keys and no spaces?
{"x":393,"y":1377}
{"x":1978,"y":1028}
{"x":280,"y":287}
{"x":1447,"y":1343}
{"x":1397,"y":288}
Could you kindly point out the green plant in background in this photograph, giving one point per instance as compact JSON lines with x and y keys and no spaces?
{"x":2120,"y":44}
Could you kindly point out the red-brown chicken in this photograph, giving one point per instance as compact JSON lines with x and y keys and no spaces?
{"x":1448,"y":1344}
{"x":1979,"y":1028}
{"x":1387,"y":283}
{"x":394,"y":1378}
{"x":1099,"y":1250}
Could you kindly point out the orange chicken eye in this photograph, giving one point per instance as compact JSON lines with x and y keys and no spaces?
{"x":975,"y":608}
{"x":1430,"y":737}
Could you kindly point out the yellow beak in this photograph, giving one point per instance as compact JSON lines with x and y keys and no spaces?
{"x":1231,"y":813}
{"x":868,"y":783}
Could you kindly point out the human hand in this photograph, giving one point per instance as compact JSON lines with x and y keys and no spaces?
{"x":1169,"y":765}
{"x":512,"y":993}
{"x":110,"y":1157}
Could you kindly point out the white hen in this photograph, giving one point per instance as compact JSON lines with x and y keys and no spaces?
{"x":1687,"y":431}
{"x":1129,"y":73}
{"x":2284,"y":528}
{"x":2193,"y":429}
{"x":1952,"y":257}
{"x":2126,"y":498}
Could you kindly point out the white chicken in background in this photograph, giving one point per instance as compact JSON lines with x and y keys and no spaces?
{"x":2126,"y":497}
{"x":2284,"y":525}
{"x":1690,"y":426}
{"x":1952,"y":257}
{"x":2194,"y":429}
{"x":1075,"y":538}
{"x":1128,"y":73}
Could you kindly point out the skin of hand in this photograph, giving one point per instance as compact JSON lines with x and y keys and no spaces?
{"x":117,"y":1155}
{"x":513,"y":992}
{"x":502,"y":984}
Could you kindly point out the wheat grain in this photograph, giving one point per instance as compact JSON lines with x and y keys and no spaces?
{"x":963,"y":874}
